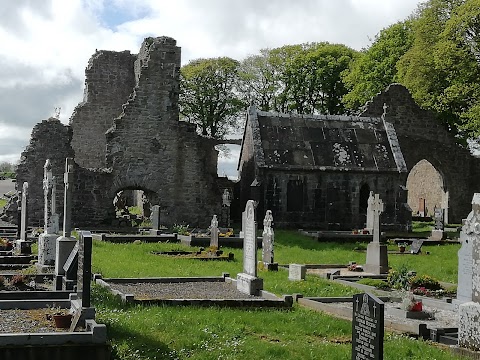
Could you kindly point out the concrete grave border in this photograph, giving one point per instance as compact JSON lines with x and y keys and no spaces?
{"x":267,"y":299}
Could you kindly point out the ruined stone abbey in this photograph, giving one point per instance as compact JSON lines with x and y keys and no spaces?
{"x":311,"y":171}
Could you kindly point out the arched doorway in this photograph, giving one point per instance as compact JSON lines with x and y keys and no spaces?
{"x":426,"y":189}
{"x":132,"y":206}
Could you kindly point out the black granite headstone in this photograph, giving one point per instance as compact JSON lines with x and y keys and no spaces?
{"x":416,"y":246}
{"x":71,"y":264}
{"x":84,"y":267}
{"x":367,"y":327}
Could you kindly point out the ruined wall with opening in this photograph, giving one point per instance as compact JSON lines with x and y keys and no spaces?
{"x":149,"y":148}
{"x":146,"y":147}
{"x":109,"y":80}
{"x":425,"y":182}
{"x":422,"y":136}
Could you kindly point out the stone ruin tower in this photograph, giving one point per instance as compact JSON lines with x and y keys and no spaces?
{"x":126,"y":134}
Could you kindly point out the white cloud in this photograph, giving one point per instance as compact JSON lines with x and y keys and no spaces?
{"x":46,"y":44}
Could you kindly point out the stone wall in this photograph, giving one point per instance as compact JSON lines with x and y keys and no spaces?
{"x":126,"y":134}
{"x":330,"y":200}
{"x":422,"y":136}
{"x":109,"y":80}
{"x":148,"y":148}
{"x":50,"y":139}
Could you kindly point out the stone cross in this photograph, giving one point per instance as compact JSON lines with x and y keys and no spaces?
{"x":214,"y":232}
{"x":369,"y":224}
{"x":268,"y":238}
{"x":377,"y":208}
{"x":23,"y":216}
{"x":468,"y":293}
{"x":67,"y":199}
{"x":47,"y":192}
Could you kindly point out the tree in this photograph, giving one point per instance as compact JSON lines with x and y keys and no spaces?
{"x":208,"y":95}
{"x":428,"y":70}
{"x":375,"y":69}
{"x":302,"y":78}
{"x":313,"y":78}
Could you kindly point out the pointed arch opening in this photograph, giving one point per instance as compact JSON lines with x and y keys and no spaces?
{"x":426,"y":189}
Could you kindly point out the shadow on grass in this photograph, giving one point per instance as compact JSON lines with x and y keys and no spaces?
{"x":290,"y":239}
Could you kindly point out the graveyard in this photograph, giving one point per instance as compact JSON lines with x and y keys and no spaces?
{"x":321,"y":258}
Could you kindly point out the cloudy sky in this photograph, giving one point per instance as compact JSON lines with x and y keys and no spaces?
{"x":46,"y":44}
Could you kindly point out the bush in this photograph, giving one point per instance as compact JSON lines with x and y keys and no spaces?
{"x":399,"y":279}
{"x":425,"y":281}
{"x":379,"y":284}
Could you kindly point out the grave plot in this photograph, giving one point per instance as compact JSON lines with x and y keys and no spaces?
{"x":201,"y":254}
{"x":244,"y":291}
{"x":28,"y":316}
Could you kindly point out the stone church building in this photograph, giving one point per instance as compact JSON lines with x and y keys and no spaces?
{"x":316,"y":171}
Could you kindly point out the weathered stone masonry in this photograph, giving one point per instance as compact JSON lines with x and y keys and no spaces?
{"x":126,"y":134}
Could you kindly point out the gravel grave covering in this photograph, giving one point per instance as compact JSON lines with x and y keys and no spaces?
{"x":27,"y":321}
{"x":185,"y":290}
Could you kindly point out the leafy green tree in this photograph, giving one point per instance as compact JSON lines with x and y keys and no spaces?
{"x":313,"y":78}
{"x":375,"y":69}
{"x":209,"y":97}
{"x":436,"y":73}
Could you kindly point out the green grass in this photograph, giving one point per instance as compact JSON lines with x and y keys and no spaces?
{"x":166,"y":332}
{"x":3,"y":202}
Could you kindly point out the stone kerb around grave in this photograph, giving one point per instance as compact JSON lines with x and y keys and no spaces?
{"x":247,"y":281}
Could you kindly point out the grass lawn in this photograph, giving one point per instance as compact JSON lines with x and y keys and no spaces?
{"x":165,"y":332}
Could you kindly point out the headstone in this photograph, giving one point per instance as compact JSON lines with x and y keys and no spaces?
{"x":422,"y":208}
{"x":84,"y":274}
{"x":22,"y":245}
{"x":65,"y":243}
{"x":155,"y":218}
{"x":416,"y":246}
{"x":214,"y":232}
{"x":247,"y":282}
{"x":377,"y":255}
{"x":80,"y":302}
{"x":268,"y":239}
{"x":469,"y":312}
{"x":445,"y":206}
{"x":438,"y":215}
{"x":369,"y":224}
{"x":367,"y":327}
{"x":226,"y":201}
{"x":465,"y":262}
{"x":47,"y":240}
{"x":296,"y":272}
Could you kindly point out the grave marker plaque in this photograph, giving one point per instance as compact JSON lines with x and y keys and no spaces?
{"x":416,"y":246}
{"x":367,"y":327}
{"x":250,"y":241}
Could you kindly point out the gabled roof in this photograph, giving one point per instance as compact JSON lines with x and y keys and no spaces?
{"x":324,"y":142}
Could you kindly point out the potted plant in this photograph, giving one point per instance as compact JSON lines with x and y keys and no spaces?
{"x":402,"y":247}
{"x":61,"y":317}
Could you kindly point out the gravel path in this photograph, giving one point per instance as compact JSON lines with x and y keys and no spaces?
{"x":187,"y":290}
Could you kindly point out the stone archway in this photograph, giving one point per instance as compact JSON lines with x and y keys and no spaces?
{"x":426,"y":189}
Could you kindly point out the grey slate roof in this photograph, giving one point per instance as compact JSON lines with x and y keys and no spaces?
{"x":324,"y":142}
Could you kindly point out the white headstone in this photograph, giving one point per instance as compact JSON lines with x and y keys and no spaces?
{"x":369,"y":224}
{"x":214,"y":232}
{"x":23,"y":216}
{"x":47,"y":240}
{"x":465,"y":262}
{"x":469,"y":312}
{"x":247,"y":282}
{"x":296,"y":272}
{"x":268,"y":238}
{"x":377,"y":255}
